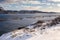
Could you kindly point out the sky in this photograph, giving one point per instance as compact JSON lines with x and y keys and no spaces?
{"x":41,"y":5}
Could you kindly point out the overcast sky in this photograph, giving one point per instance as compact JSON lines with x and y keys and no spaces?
{"x":42,"y":5}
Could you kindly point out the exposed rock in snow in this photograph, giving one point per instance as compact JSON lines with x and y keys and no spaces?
{"x":52,"y":33}
{"x":33,"y":32}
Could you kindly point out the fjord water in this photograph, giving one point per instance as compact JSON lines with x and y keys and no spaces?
{"x":9,"y":22}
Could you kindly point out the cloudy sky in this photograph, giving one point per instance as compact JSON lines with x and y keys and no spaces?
{"x":42,"y":5}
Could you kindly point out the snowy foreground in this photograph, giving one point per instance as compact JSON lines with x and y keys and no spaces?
{"x":52,"y":33}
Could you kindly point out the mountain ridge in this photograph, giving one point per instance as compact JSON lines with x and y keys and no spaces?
{"x":2,"y":11}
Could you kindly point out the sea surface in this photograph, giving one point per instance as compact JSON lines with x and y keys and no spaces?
{"x":9,"y":22}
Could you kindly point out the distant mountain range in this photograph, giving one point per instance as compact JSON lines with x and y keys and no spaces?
{"x":2,"y":11}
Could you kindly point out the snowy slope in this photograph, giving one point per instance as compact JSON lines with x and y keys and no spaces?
{"x":49,"y":34}
{"x":52,"y":33}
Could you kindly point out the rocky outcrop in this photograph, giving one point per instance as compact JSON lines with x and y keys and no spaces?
{"x":2,"y":11}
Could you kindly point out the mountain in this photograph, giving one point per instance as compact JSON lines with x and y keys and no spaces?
{"x":31,"y":11}
{"x":26,"y":12}
{"x":2,"y":11}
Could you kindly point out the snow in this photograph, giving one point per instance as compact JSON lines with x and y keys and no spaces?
{"x":52,"y":33}
{"x":49,"y":34}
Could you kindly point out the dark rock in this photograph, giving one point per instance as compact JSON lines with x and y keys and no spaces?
{"x":21,"y":27}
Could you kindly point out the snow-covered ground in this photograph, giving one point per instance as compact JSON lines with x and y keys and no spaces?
{"x":52,"y":33}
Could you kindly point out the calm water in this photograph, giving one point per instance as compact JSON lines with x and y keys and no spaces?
{"x":13,"y":21}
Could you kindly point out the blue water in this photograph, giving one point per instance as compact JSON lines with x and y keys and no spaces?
{"x":13,"y":21}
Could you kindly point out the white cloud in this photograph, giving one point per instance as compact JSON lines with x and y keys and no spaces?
{"x":25,"y":2}
{"x":34,"y":2}
{"x":9,"y":1}
{"x":55,"y":0}
{"x":31,"y":8}
{"x":31,"y":2}
{"x":45,"y":6}
{"x":58,"y":5}
{"x":16,"y":1}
